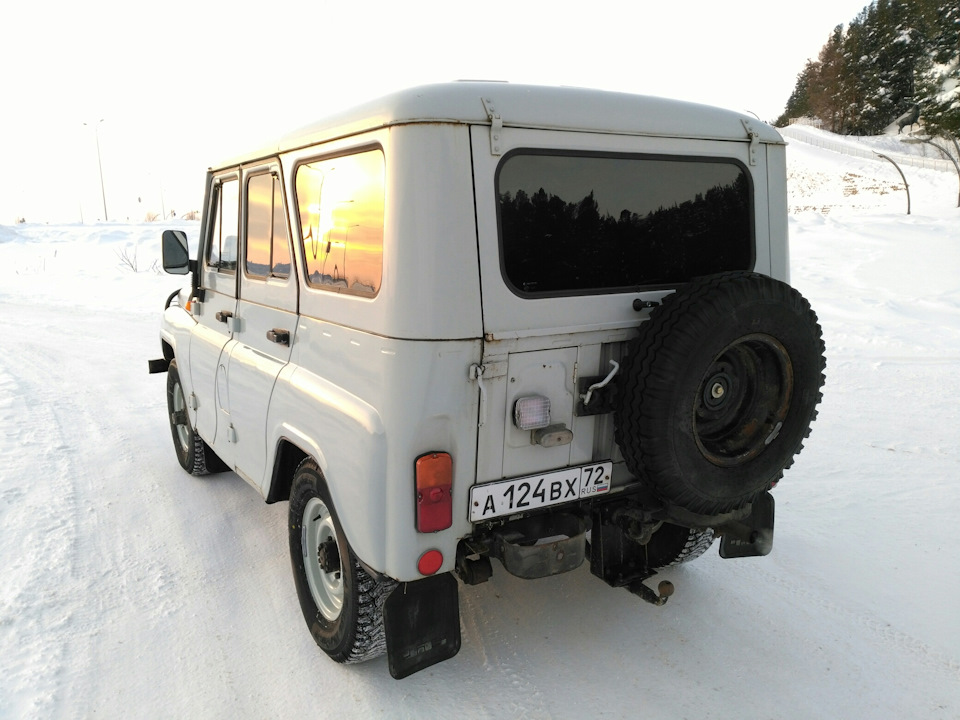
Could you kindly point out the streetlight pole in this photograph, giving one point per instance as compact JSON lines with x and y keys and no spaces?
{"x":906,"y":185}
{"x":103,"y":194}
{"x":928,"y":141}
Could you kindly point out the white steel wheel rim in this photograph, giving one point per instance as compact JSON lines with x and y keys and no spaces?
{"x":179,"y":410}
{"x":326,"y":588}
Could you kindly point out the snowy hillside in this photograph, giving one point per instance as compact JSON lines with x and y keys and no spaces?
{"x":130,"y":589}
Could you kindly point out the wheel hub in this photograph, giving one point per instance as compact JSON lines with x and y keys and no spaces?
{"x":717,"y":389}
{"x":743,"y":400}
{"x":322,"y":559}
{"x":328,"y":556}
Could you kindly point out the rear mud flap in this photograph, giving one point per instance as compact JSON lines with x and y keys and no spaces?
{"x":753,"y":535}
{"x":422,"y":624}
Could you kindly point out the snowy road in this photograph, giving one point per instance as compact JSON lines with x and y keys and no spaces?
{"x":130,"y":589}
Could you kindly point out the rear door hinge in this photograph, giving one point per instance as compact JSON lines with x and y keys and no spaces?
{"x":496,"y":126}
{"x":476,"y":373}
{"x":754,"y":138}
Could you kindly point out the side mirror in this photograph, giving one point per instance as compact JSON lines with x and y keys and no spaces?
{"x":176,"y":256}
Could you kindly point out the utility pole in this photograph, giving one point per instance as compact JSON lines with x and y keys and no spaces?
{"x":103,"y":194}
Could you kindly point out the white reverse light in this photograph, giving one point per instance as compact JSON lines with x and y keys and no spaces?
{"x":531,"y":413}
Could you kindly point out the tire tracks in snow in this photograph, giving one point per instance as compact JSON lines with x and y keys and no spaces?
{"x":517,"y":696}
{"x":881,"y":631}
{"x":42,"y":519}
{"x":64,"y":471}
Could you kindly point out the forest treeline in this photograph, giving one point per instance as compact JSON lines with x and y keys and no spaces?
{"x":554,"y":245}
{"x":895,"y":54}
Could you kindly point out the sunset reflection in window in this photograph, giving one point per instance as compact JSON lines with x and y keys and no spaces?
{"x":340,"y":202}
{"x":268,"y":252}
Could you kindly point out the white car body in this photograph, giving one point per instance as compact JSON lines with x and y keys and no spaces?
{"x":436,"y":358}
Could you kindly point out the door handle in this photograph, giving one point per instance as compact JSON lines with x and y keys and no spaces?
{"x":279,"y":336}
{"x":224,"y":315}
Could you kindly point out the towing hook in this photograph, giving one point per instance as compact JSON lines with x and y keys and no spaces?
{"x":664,"y":591}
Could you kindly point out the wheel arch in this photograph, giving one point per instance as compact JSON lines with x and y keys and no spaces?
{"x":287,"y":459}
{"x":167,"y":348}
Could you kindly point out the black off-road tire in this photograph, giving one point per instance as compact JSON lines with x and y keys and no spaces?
{"x":341,"y":603}
{"x":674,"y":545}
{"x":194,"y":454}
{"x":719,"y":389}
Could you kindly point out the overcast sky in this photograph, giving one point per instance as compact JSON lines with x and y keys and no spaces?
{"x":182,"y":84}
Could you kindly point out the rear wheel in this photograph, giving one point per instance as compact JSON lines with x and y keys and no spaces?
{"x":341,"y":603}
{"x":673,"y":545}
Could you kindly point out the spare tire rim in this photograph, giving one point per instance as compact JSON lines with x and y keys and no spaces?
{"x":743,"y":400}
{"x":321,"y":558}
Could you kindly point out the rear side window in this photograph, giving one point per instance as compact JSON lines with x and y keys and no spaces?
{"x":340,"y":203}
{"x":582,"y":224}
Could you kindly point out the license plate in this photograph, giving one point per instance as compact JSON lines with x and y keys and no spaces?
{"x":506,"y":497}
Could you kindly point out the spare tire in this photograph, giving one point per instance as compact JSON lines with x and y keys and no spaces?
{"x":718,"y":391}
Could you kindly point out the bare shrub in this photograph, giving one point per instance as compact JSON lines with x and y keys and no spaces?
{"x":128,"y":259}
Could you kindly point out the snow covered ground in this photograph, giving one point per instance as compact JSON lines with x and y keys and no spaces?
{"x":130,"y":589}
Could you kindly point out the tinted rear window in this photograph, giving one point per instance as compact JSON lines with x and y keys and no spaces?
{"x":579,"y":224}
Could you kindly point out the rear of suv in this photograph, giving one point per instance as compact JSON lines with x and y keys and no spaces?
{"x":480,"y":321}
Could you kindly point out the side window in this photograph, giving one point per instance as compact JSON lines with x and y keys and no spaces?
{"x":268,"y":246}
{"x":340,"y":204}
{"x":222,"y":250}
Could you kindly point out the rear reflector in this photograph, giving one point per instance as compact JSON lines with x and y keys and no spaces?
{"x":430,"y":562}
{"x":434,"y":474}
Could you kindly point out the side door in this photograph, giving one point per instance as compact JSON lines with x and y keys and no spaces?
{"x":266,"y":317}
{"x":218,"y":285}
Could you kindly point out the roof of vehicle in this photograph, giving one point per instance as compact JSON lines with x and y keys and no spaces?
{"x":532,"y":106}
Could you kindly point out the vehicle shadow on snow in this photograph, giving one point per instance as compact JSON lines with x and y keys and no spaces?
{"x":530,"y":640}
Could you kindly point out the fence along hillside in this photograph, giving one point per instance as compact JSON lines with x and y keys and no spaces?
{"x":804,"y":131}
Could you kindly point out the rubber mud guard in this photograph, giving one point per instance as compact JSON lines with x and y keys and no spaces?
{"x":422,"y":624}
{"x":752,"y":536}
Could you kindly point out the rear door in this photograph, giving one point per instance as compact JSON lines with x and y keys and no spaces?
{"x":578,"y":234}
{"x":266,"y":316}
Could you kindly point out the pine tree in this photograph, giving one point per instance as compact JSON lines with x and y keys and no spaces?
{"x":894,"y":54}
{"x":798,"y":104}
{"x":827,"y":96}
{"x":942,"y":87}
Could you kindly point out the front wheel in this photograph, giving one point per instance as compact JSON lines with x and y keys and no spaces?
{"x":194,"y":454}
{"x":341,"y":603}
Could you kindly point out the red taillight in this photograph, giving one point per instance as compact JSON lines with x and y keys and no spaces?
{"x":434,"y":481}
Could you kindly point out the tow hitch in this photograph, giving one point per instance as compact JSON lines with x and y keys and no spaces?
{"x":664,"y":591}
